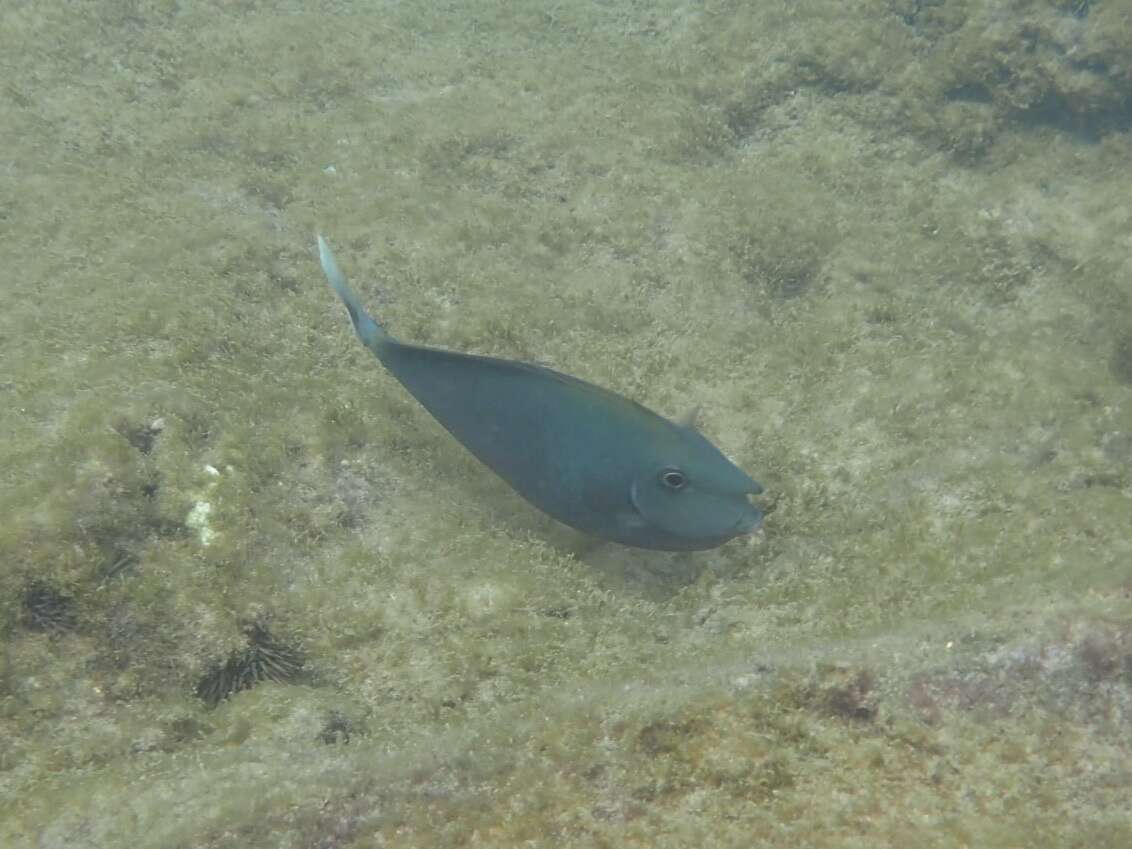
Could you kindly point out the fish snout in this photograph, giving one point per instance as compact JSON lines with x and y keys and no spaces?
{"x":750,"y":522}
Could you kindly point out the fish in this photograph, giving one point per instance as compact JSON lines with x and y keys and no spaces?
{"x":591,"y":459}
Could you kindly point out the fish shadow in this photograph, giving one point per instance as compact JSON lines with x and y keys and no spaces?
{"x":651,"y":575}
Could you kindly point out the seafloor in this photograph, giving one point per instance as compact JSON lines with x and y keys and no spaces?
{"x":251,"y":595}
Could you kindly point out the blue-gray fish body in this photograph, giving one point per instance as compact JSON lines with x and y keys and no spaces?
{"x":586,"y":456}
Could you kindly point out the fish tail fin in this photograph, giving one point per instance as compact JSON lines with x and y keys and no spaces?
{"x":371,"y":333}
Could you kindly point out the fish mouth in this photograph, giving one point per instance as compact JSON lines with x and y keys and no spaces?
{"x":750,"y":522}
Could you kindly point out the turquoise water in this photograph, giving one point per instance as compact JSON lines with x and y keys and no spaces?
{"x":253,"y":595}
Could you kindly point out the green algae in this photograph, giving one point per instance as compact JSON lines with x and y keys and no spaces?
{"x":884,"y":248}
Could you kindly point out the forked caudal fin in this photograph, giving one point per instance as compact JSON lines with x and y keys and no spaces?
{"x":369,"y":331}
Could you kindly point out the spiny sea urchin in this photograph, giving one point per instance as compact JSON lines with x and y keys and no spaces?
{"x":264,"y":658}
{"x":44,"y":608}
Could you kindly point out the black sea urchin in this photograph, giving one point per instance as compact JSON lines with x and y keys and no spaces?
{"x":44,"y":608}
{"x":265,"y":658}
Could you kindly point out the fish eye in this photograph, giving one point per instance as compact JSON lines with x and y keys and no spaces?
{"x":673,"y":479}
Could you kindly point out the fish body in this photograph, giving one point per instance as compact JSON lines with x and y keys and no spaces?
{"x":586,"y":456}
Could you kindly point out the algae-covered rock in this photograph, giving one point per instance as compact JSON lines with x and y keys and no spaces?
{"x":251,"y":595}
